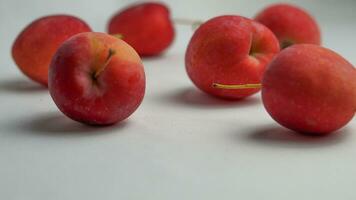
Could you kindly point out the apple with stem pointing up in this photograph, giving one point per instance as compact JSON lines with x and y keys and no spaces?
{"x":307,"y":88}
{"x":96,"y":79}
{"x":231,"y":50}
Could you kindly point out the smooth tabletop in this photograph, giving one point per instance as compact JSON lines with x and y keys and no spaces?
{"x":180,"y":143}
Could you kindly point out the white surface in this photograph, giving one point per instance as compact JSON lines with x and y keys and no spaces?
{"x":180,"y":144}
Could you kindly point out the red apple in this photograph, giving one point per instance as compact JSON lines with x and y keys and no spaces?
{"x":97,"y":79}
{"x":35,"y":45}
{"x":310,"y":89}
{"x":291,"y":25}
{"x":147,"y":27}
{"x":229,"y":50}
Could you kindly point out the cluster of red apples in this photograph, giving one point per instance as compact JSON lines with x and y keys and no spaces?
{"x":99,"y":79}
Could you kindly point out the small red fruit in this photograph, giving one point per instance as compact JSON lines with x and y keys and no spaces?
{"x":309,"y":89}
{"x":290,"y":24}
{"x":96,"y":79}
{"x":147,"y":27}
{"x":35,"y":45}
{"x":229,"y":50}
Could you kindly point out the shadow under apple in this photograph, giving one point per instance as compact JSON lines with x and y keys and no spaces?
{"x":19,"y":85}
{"x":277,"y":136}
{"x":193,"y":98}
{"x":58,"y":125}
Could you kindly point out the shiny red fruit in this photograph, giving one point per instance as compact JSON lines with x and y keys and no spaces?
{"x":36,"y":44}
{"x":310,"y":89}
{"x":229,"y":50}
{"x":147,"y":27}
{"x":291,"y":24}
{"x":97,"y":79}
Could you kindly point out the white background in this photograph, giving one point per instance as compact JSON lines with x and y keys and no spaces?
{"x":180,"y":143}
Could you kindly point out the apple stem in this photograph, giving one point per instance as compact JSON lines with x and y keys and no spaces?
{"x":236,"y":87}
{"x":190,"y":22}
{"x":107,"y":61}
{"x":118,"y":36}
{"x":285,"y":43}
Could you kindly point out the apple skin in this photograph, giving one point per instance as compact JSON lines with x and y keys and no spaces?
{"x":147,"y":27}
{"x":290,"y":24}
{"x":229,"y":50}
{"x":34,"y":47}
{"x":310,"y":89}
{"x":110,"y":97}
